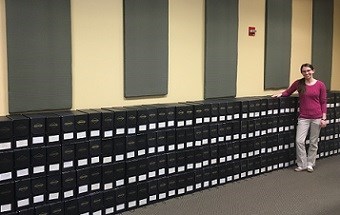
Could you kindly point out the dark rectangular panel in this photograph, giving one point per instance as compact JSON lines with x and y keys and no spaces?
{"x":221,"y":32}
{"x":39,"y":54}
{"x":278,"y":43}
{"x":145,"y":47}
{"x":322,"y":40}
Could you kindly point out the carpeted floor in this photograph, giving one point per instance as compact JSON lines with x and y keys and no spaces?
{"x":281,"y":192}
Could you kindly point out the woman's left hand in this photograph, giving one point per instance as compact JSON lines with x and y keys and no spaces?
{"x":323,"y":123}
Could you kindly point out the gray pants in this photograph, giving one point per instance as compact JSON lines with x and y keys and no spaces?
{"x":304,"y":159}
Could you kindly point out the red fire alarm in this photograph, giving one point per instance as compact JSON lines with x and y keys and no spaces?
{"x":251,"y":31}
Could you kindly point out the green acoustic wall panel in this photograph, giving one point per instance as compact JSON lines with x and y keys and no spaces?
{"x":39,"y":54}
{"x":221,"y":33}
{"x":145,"y":47}
{"x":322,"y":39}
{"x":278,"y":43}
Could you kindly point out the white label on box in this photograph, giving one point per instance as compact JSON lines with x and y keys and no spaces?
{"x":161,"y":125}
{"x":274,"y":130}
{"x":198,"y":165}
{"x":132,"y":179}
{"x":22,"y":172}
{"x":152,"y":174}
{"x":86,"y":213}
{"x":143,"y":202}
{"x":222,"y":160}
{"x":236,"y":156}
{"x":190,"y":188}
{"x":190,"y":144}
{"x":220,"y":139}
{"x":108,"y":186}
{"x":152,"y":198}
{"x":198,"y":186}
{"x":251,"y":153}
{"x":263,"y":132}
{"x":53,"y":196}
{"x":95,"y":133}
{"x":95,"y":186}
{"x":54,"y":167}
{"x":257,"y":171}
{"x":281,"y":129}
{"x":205,"y":163}
{"x":132,"y":204}
{"x":269,"y":168}
{"x":190,"y":166}
{"x":68,"y":136}
{"x":257,"y":133}
{"x":250,"y":173}
{"x":68,"y":194}
{"x":213,"y":161}
{"x":38,"y":169}
{"x":244,"y":115}
{"x":131,"y":130}
{"x":236,"y":136}
{"x":275,"y":166}
{"x":180,"y":146}
{"x":229,"y":178}
{"x":181,"y":191}
{"x":206,"y":184}
{"x":108,"y":133}
{"x":83,"y":189}
{"x":280,"y":147}
{"x":171,"y":147}
{"x":171,"y":123}
{"x":120,"y":182}
{"x":198,"y":143}
{"x":109,"y":210}
{"x":172,"y":170}
{"x":205,"y":141}
{"x":206,"y":119}
{"x":222,"y":181}
{"x":161,"y":171}
{"x":23,"y":202}
{"x":199,"y":120}
{"x":274,"y":148}
{"x":214,"y":182}
{"x":95,"y":160}
{"x":280,"y":165}
{"x":68,"y":164}
{"x":120,"y":131}
{"x":82,"y":162}
{"x":151,"y":150}
{"x":229,"y":157}
{"x":37,"y":140}
{"x":152,"y":126}
{"x":188,"y":122}
{"x":130,"y":154}
{"x":172,"y":192}
{"x":180,"y":123}
{"x":6,"y":145}
{"x":37,"y":199}
{"x":162,"y":196}
{"x":120,"y":207}
{"x":244,"y":155}
{"x":141,"y":152}
{"x":107,"y":159}
{"x":119,"y":157}
{"x":214,"y":119}
{"x":142,"y":177}
{"x":161,"y":149}
{"x":6,"y":207}
{"x":21,"y":143}
{"x":213,"y":140}
{"x":243,"y":174}
{"x":81,"y":135}
{"x":181,"y":169}
{"x":263,"y":150}
{"x":97,"y":212}
{"x":237,"y":176}
{"x":251,"y":114}
{"x":229,"y":117}
{"x":269,"y":150}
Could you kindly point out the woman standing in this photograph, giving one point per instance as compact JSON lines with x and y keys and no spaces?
{"x":312,"y":115}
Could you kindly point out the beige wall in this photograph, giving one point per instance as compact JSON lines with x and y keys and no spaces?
{"x":335,"y":81}
{"x":97,"y":51}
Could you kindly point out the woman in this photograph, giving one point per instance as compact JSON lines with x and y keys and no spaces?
{"x":312,"y":115}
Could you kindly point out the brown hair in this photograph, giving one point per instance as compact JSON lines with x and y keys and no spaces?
{"x":302,"y":85}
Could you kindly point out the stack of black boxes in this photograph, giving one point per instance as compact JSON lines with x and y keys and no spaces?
{"x":109,"y":160}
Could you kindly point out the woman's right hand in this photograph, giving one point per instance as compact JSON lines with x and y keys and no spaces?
{"x":277,"y":95}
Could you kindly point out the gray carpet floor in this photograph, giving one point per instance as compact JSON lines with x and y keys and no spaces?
{"x":281,"y":192}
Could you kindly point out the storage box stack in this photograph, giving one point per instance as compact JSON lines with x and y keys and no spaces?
{"x":109,"y":160}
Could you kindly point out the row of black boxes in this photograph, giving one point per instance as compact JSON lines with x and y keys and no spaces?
{"x":109,"y":160}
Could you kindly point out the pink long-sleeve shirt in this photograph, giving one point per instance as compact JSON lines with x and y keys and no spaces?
{"x":313,"y":102}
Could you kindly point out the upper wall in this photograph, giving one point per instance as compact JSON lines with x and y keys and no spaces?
{"x":97,"y":51}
